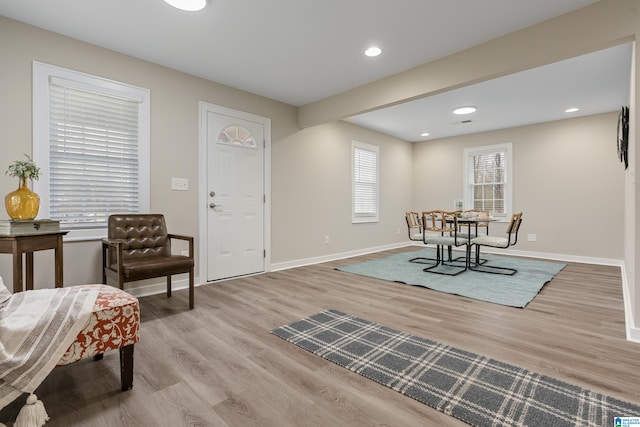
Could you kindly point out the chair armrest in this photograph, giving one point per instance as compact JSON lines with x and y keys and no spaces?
{"x":186,"y":238}
{"x":112,"y":242}
{"x":106,"y":261}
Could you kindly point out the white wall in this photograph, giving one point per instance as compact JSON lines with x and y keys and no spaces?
{"x":313,"y":197}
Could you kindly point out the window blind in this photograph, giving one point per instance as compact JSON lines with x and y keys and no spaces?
{"x":365,"y":182}
{"x":489,"y":173}
{"x":94,"y":155}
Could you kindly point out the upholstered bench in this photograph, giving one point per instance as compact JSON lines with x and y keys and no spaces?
{"x":42,"y":329}
{"x":114,"y":324}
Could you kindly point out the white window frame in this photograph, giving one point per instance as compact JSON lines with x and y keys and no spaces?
{"x":42,"y":73}
{"x":468,"y":154}
{"x":360,"y":217}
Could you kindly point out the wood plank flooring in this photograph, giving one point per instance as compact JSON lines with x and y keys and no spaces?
{"x":218,"y":365}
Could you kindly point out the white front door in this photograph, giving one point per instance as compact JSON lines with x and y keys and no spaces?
{"x":235,"y":195}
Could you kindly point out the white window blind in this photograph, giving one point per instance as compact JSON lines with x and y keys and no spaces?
{"x":91,"y":139}
{"x":365,"y":182}
{"x":488,"y":179}
{"x":93,"y":156}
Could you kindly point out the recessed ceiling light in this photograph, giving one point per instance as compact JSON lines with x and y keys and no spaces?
{"x":464,"y":110}
{"x":372,"y":51}
{"x":188,"y":5}
{"x":424,"y":134}
{"x":571,"y":110}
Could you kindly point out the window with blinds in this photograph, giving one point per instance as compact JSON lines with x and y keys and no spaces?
{"x":95,"y":147}
{"x":365,"y":182}
{"x":488,"y":185}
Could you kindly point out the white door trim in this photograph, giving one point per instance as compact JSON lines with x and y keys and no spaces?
{"x":203,"y":199}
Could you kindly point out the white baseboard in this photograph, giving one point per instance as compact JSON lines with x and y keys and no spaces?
{"x":332,"y":257}
{"x":146,"y":290}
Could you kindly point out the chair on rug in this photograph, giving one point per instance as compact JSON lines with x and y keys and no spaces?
{"x":440,"y":228}
{"x":496,"y":242}
{"x":474,"y":230}
{"x":139,"y":247}
{"x":414,"y":225}
{"x":476,"y":213}
{"x":416,"y":233}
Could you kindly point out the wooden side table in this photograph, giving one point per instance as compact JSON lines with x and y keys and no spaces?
{"x":18,"y":244}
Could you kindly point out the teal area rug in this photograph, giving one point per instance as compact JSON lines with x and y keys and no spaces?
{"x":515,"y":291}
{"x":473,"y":388}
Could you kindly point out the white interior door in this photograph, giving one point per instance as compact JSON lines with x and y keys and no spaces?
{"x":235,"y":196}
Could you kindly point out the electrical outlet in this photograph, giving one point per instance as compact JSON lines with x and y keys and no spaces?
{"x":531,"y":237}
{"x":326,"y":239}
{"x":180,"y":184}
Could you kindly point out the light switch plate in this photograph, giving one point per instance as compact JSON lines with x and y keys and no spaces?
{"x":180,"y":184}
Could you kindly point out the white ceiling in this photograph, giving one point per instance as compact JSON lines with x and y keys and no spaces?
{"x":298,"y":51}
{"x":595,"y":83}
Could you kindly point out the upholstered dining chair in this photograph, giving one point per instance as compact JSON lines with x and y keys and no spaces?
{"x":476,"y":229}
{"x":416,"y":233}
{"x":440,"y":228}
{"x":138,"y":247}
{"x":496,"y":242}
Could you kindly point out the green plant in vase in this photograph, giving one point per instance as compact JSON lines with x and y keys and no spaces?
{"x":23,"y":204}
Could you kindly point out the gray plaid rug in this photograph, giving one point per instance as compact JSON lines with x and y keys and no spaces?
{"x":473,"y":388}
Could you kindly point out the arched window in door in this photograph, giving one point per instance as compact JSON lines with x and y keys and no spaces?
{"x":238,"y":136}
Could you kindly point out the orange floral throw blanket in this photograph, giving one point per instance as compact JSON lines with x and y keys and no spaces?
{"x":36,"y":328}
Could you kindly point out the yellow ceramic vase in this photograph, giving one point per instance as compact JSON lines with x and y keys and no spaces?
{"x":22,"y":203}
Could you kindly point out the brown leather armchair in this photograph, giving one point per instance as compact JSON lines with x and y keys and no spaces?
{"x":138,"y":247}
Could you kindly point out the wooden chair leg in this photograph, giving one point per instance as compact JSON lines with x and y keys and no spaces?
{"x":126,"y":367}
{"x":191,"y":290}
{"x":169,"y":286}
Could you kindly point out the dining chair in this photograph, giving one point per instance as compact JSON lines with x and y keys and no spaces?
{"x":414,"y":225}
{"x":440,"y":228}
{"x":475,"y":228}
{"x":476,"y":213}
{"x":496,"y":242}
{"x":416,"y":233}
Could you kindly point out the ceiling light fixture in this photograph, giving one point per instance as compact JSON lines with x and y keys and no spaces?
{"x":571,"y":110}
{"x":188,"y":5}
{"x":464,"y":110}
{"x":372,"y":51}
{"x":424,"y":134}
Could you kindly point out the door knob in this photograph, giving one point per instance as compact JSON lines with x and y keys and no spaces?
{"x":213,"y":206}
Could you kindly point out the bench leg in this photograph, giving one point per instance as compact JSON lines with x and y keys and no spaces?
{"x":126,"y":367}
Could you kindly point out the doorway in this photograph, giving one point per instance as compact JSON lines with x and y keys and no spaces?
{"x":234,"y":195}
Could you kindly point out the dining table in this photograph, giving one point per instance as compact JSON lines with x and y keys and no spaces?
{"x":472,"y":222}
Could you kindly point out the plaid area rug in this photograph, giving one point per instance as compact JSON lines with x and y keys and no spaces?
{"x":473,"y":388}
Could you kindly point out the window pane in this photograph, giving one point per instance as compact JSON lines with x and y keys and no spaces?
{"x":488,"y":181}
{"x":93,"y":156}
{"x":365,"y":182}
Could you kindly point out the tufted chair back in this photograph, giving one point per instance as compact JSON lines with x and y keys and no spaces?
{"x":143,"y":234}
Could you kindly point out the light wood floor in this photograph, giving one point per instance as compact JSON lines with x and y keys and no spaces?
{"x":218,"y":365}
